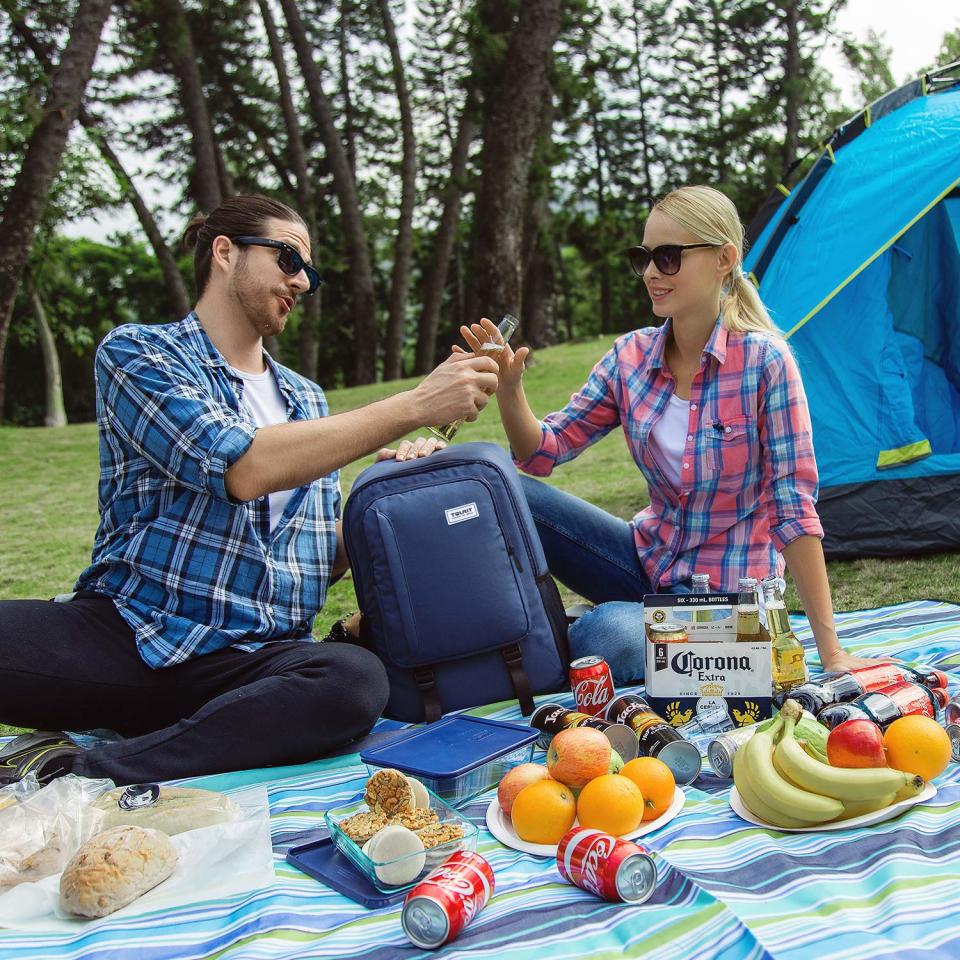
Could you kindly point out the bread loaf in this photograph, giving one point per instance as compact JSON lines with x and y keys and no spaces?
{"x":170,"y":809}
{"x":114,"y":868}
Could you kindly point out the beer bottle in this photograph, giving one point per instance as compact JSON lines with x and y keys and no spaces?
{"x":788,"y":666}
{"x":748,"y":611}
{"x":507,"y":327}
{"x":886,"y":705}
{"x":844,"y":687}
{"x":701,"y":584}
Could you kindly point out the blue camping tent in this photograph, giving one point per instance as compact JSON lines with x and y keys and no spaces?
{"x":860,"y":265}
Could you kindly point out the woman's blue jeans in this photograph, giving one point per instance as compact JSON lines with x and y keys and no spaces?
{"x":594,"y":554}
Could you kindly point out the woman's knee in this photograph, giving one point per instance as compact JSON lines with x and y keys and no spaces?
{"x":614,"y":631}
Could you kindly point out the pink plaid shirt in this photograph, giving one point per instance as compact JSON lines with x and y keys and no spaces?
{"x":748,"y":475}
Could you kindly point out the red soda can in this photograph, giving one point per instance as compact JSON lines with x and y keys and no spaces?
{"x":592,"y":685}
{"x":446,"y":900}
{"x":614,"y":869}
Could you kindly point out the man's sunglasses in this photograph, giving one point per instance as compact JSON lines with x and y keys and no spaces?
{"x":288,"y":259}
{"x":667,"y":258}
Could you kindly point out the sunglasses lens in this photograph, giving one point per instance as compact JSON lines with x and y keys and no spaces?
{"x":639,"y":258}
{"x":289,"y":261}
{"x":667,"y":258}
{"x":314,"y":279}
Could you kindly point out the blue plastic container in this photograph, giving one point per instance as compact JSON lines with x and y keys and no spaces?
{"x":456,"y":758}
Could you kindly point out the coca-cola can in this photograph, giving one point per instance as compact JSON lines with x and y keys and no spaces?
{"x":615,"y":869}
{"x":592,"y":685}
{"x":446,"y":900}
{"x":551,"y":718}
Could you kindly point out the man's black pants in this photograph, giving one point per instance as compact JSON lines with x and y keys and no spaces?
{"x":75,"y":666}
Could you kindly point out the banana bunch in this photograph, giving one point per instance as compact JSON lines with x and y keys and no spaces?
{"x":782,"y":783}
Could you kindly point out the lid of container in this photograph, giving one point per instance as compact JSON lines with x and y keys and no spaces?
{"x":450,"y":747}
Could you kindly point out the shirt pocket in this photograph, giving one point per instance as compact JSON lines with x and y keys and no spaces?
{"x":728,"y":455}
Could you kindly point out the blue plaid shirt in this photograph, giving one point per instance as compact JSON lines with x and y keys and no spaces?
{"x":189,"y":568}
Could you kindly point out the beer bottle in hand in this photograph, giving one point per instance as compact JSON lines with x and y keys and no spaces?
{"x":507,"y":327}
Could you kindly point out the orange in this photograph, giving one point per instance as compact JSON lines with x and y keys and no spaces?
{"x":656,"y":783}
{"x":917,"y":744}
{"x":543,"y":812}
{"x":612,"y":803}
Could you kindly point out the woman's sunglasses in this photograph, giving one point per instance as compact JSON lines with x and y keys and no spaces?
{"x":667,"y":258}
{"x":288,"y":259}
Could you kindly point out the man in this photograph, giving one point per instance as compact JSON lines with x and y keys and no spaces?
{"x":219,"y":535}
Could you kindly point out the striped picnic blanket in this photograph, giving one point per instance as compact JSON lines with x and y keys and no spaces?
{"x":726,"y":889}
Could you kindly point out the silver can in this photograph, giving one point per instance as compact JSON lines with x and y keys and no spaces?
{"x":720,"y":752}
{"x":953,"y":731}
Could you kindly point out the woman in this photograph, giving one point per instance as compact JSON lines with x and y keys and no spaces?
{"x":715,"y":417}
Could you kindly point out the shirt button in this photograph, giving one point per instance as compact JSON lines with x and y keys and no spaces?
{"x":693,"y":406}
{"x":689,"y":436}
{"x":261,"y":498}
{"x":686,"y":466}
{"x":727,"y":429}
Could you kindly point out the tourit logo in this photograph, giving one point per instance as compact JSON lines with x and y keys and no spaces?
{"x":467,"y":511}
{"x":687,"y":662}
{"x":592,"y":692}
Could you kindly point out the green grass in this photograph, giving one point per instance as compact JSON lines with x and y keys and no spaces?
{"x":48,"y":498}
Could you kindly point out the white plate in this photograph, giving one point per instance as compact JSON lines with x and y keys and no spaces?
{"x":878,"y":816}
{"x":501,"y":827}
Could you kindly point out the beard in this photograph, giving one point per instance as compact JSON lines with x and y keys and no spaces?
{"x":260,"y":304}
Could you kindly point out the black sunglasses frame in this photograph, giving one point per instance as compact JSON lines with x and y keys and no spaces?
{"x":293,"y":267}
{"x":640,"y":257}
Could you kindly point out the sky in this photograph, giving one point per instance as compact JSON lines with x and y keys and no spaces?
{"x":913,"y":29}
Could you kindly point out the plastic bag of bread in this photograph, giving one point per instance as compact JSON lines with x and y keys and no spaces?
{"x":40,"y":833}
{"x":114,"y":868}
{"x":170,"y":809}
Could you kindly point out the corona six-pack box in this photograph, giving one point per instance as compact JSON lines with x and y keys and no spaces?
{"x":702,"y":672}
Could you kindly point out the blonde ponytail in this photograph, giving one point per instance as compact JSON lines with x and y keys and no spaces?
{"x":711,"y":217}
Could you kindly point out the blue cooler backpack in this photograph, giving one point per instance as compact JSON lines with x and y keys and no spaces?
{"x":453,"y":584}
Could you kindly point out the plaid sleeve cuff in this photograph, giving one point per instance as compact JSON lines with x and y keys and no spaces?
{"x":786,"y":531}
{"x":541,"y":462}
{"x":227,"y":448}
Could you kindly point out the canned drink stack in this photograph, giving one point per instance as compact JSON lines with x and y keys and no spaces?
{"x":656,"y":738}
{"x":551,"y":718}
{"x":592,"y":684}
{"x":445,"y":901}
{"x":615,"y":869}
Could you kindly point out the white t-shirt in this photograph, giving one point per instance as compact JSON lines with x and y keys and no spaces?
{"x":668,"y":438}
{"x":264,"y":402}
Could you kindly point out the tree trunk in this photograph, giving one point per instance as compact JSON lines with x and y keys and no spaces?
{"x":791,"y":85}
{"x":605,"y":311}
{"x":28,"y":196}
{"x":403,"y":251}
{"x":174,"y":32}
{"x":176,"y":288}
{"x":310,"y":306}
{"x":55,"y":414}
{"x":716,"y":52}
{"x":439,"y":263}
{"x":645,"y":151}
{"x":509,"y":139}
{"x":349,"y":128}
{"x":361,"y":273}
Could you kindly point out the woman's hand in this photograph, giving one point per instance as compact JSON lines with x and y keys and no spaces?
{"x":511,"y":362}
{"x":411,"y":449}
{"x":840,"y":661}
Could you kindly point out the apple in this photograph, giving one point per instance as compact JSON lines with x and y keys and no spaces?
{"x":616,"y":762}
{"x":515,"y":780}
{"x":856,"y":743}
{"x":577,"y":755}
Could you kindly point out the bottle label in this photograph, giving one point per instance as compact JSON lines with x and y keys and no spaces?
{"x":910,"y":700}
{"x":874,"y":678}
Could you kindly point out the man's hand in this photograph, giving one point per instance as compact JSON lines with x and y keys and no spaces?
{"x":411,"y":449}
{"x":456,"y":390}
